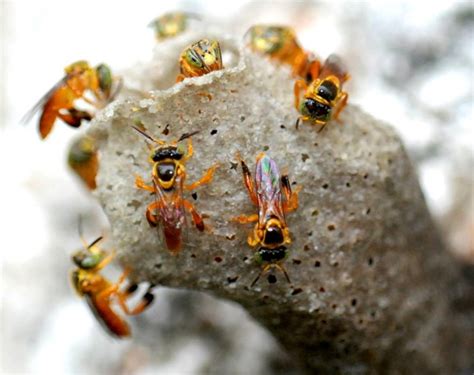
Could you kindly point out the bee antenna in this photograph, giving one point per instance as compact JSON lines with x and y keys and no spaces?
{"x":97,"y":240}
{"x":187,"y":135}
{"x":144,"y":134}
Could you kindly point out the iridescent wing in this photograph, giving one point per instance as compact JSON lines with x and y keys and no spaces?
{"x":268,"y":185}
{"x":44,"y":99}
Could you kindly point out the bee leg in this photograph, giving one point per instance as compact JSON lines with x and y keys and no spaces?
{"x":341,"y":104}
{"x":244,"y":219}
{"x":145,"y":301}
{"x":204,"y":179}
{"x":263,"y":271}
{"x":248,"y":181}
{"x":252,"y":238}
{"x":322,"y":128}
{"x":180,"y":77}
{"x":151,"y":216}
{"x":300,"y":86}
{"x":190,"y":151}
{"x":140,"y":184}
{"x":291,"y":197}
{"x":197,"y":218}
{"x":283,"y":270}
{"x":74,"y":117}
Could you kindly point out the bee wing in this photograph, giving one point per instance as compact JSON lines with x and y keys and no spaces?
{"x":335,"y":66}
{"x":171,"y":213}
{"x":44,"y":99}
{"x":267,"y":178}
{"x":110,"y":321}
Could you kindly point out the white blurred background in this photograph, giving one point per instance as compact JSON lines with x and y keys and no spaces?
{"x":411,"y":65}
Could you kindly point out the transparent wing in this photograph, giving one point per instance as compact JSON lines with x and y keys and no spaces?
{"x":40,"y":104}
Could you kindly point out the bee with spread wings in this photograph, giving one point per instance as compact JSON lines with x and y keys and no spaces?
{"x":60,"y":100}
{"x":272,"y":195}
{"x":323,"y":99}
{"x":100,"y":293}
{"x":168,"y":178}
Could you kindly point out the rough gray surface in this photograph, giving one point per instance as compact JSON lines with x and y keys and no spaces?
{"x":371,"y":284}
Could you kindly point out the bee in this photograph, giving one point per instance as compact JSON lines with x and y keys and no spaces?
{"x":323,"y":99}
{"x":271,"y":193}
{"x":100,"y":293}
{"x":83,"y":160}
{"x":280,"y":43}
{"x":170,"y":24}
{"x":200,"y":58}
{"x":168,"y":178}
{"x":60,"y":101}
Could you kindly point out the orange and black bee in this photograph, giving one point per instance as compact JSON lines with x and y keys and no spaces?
{"x":60,"y":101}
{"x":280,"y":43}
{"x":323,"y":99}
{"x":100,"y":293}
{"x":271,"y":193}
{"x":168,"y":185}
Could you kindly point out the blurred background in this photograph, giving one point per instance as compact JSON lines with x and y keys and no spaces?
{"x":411,"y":65}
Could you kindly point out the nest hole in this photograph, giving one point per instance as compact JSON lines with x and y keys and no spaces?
{"x":317,"y":264}
{"x":218,"y":259}
{"x":232,"y":279}
{"x":271,"y":279}
{"x":213,"y":131}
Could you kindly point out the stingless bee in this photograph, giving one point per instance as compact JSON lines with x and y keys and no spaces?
{"x":100,"y":293}
{"x":170,"y":24}
{"x":271,"y":193}
{"x":280,"y":43}
{"x":83,"y":160}
{"x":60,"y":101}
{"x":200,"y":58}
{"x":323,"y":99}
{"x":168,"y":178}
